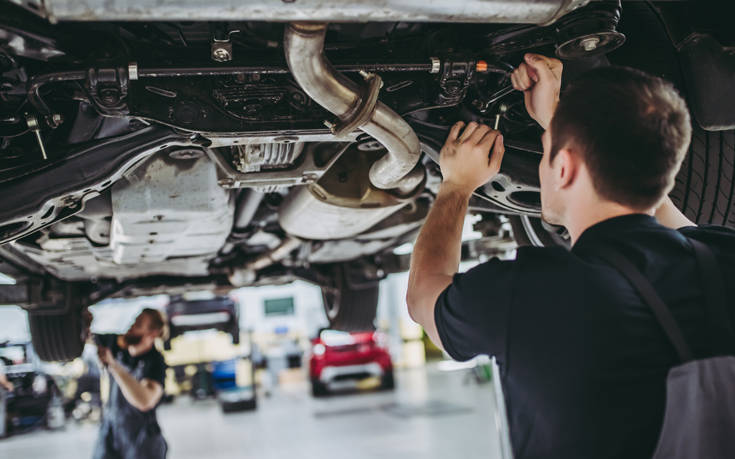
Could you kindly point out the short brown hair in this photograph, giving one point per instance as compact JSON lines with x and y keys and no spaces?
{"x":156,"y":320}
{"x":632,"y":130}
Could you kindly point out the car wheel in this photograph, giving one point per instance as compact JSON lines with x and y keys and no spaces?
{"x":705,"y":185}
{"x":533,"y":231}
{"x":242,"y":405}
{"x":57,"y":337}
{"x":704,"y":188}
{"x":388,"y":381}
{"x":350,"y":307}
{"x":318,"y":388}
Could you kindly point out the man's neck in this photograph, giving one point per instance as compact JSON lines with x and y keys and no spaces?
{"x":581,"y":217}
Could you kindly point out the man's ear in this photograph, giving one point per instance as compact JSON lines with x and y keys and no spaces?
{"x":567,"y":168}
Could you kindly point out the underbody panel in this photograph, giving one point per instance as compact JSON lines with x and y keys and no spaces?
{"x":483,"y":11}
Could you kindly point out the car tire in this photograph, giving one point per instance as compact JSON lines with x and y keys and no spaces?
{"x":531,"y":231}
{"x":318,"y":388}
{"x":350,"y":307}
{"x":705,"y":184}
{"x":243,"y":405}
{"x":57,"y":337}
{"x":704,"y":188}
{"x":388,"y":381}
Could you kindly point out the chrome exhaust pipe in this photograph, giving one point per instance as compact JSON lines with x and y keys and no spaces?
{"x":355,"y":108}
{"x":245,"y":275}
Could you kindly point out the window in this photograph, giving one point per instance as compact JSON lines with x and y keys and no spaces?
{"x":13,"y":355}
{"x":278,"y":306}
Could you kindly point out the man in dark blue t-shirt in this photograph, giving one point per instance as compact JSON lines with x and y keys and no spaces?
{"x":583,"y":360}
{"x":129,"y":426}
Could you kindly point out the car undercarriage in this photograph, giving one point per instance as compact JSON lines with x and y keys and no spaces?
{"x":150,"y":150}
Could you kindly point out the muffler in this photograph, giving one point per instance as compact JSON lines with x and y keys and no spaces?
{"x":355,"y":107}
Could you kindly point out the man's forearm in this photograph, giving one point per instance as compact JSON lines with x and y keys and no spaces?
{"x":438,"y":248}
{"x":133,"y":390}
{"x":471,"y":156}
{"x":437,"y":252}
{"x":4,"y":382}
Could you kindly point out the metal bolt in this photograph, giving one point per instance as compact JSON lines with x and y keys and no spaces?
{"x":502,"y":108}
{"x":221,"y":55}
{"x":436,"y":65}
{"x":589,"y":43}
{"x":329,"y":124}
{"x":309,"y":177}
{"x":133,"y":71}
{"x":57,"y":119}
{"x":364,"y":74}
{"x":109,"y":96}
{"x":452,"y":88}
{"x":32,"y":124}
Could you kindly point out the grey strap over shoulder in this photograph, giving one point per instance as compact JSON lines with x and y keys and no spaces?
{"x":723,"y":338}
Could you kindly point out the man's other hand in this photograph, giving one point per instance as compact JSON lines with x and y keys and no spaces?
{"x":539,"y":77}
{"x":466,"y":160}
{"x":105,"y":356}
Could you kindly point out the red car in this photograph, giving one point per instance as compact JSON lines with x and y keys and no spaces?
{"x":341,"y":359}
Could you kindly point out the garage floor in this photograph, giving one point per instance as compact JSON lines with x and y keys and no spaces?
{"x":431,"y":414}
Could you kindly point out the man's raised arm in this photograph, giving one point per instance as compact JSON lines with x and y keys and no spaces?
{"x":466,"y":163}
{"x":143,"y":395}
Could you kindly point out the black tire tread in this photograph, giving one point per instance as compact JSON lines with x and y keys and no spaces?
{"x":357,"y":305}
{"x":357,"y":312}
{"x":243,"y":405}
{"x":56,"y":337}
{"x":705,"y":186}
{"x":389,"y":381}
{"x":318,"y":389}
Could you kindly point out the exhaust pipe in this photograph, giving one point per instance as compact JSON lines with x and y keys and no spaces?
{"x":355,"y":108}
{"x":247,"y":274}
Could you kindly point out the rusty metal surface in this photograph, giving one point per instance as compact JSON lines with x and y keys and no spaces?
{"x":477,"y":11}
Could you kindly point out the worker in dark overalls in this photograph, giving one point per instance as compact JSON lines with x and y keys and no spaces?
{"x":129,"y":426}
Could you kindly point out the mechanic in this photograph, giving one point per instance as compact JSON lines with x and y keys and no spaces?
{"x":129,"y":427}
{"x":582,"y":359}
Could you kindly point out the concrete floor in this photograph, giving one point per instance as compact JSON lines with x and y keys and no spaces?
{"x":431,"y":414}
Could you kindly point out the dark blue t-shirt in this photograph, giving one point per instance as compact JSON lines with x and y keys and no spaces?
{"x":152,"y":362}
{"x":583,"y":361}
